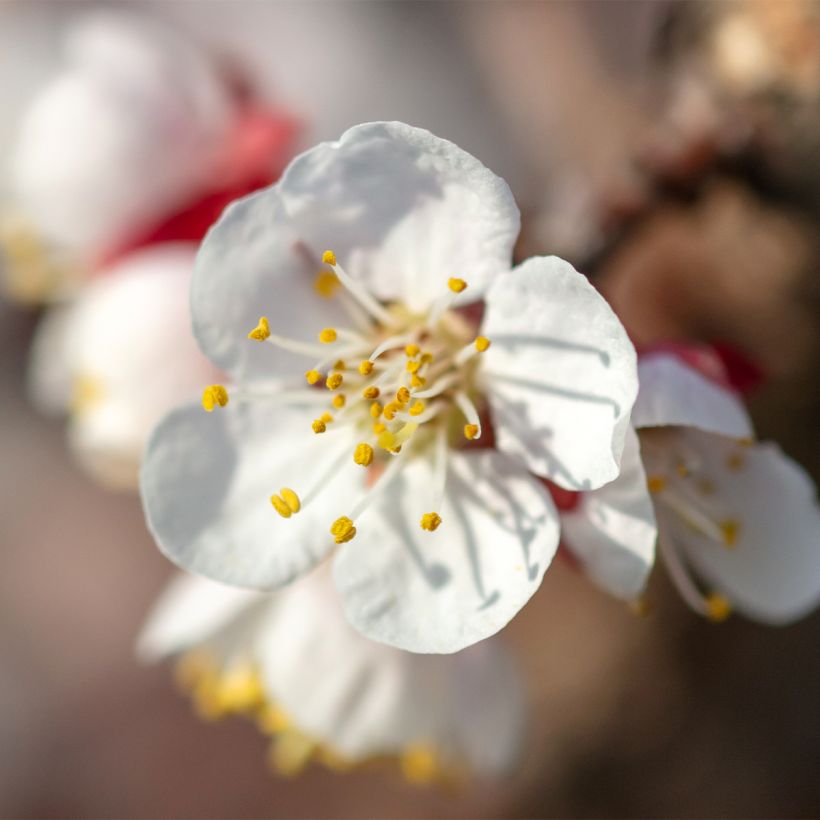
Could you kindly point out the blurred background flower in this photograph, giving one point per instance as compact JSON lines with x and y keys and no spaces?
{"x":667,"y":149}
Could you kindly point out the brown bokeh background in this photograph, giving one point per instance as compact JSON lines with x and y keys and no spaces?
{"x":577,"y":106}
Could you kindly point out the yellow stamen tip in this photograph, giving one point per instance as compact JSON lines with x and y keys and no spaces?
{"x":656,"y":483}
{"x":470,"y":431}
{"x":376,"y":410}
{"x":339,"y":401}
{"x":729,"y":529}
{"x":735,"y":461}
{"x":326,"y":418}
{"x":326,"y":284}
{"x":426,"y":358}
{"x":379,"y":427}
{"x":334,"y":381}
{"x":312,"y":376}
{"x":340,"y":365}
{"x":419,"y":765}
{"x":281,"y":506}
{"x":391,"y":409}
{"x":328,"y":336}
{"x":371,"y":392}
{"x":365,"y":367}
{"x":430,"y":521}
{"x":343,"y":530}
{"x":640,"y":607}
{"x":402,"y":395}
{"x":412,"y":350}
{"x":417,"y":381}
{"x":363,"y":454}
{"x":214,"y":395}
{"x":319,"y":426}
{"x":482,"y":343}
{"x":261,"y":331}
{"x":456,"y":285}
{"x":717,"y":607}
{"x":681,"y":469}
{"x":329,"y":258}
{"x":291,"y":499}
{"x":417,"y":409}
{"x":413,"y":366}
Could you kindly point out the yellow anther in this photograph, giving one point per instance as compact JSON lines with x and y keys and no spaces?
{"x":312,"y":376}
{"x":261,"y":331}
{"x":329,"y":258}
{"x":339,"y":401}
{"x":430,"y":521}
{"x":717,"y":607}
{"x":328,"y":336}
{"x":291,"y":499}
{"x":735,"y":461}
{"x":412,"y":350}
{"x":318,"y":426}
{"x":392,"y":442}
{"x":456,"y":285}
{"x":681,"y":469}
{"x":326,"y":284}
{"x":334,"y":381}
{"x":340,"y":365}
{"x":417,"y":381}
{"x":426,"y":358}
{"x":365,"y":367}
{"x":640,"y":607}
{"x":281,"y":506}
{"x":326,"y":418}
{"x":417,"y":408}
{"x":214,"y":395}
{"x":342,"y":530}
{"x":745,"y":442}
{"x":482,"y":343}
{"x":88,"y":392}
{"x":729,"y":530}
{"x":391,"y":409}
{"x":413,"y":366}
{"x":371,"y":393}
{"x":419,"y":765}
{"x":656,"y":483}
{"x":470,"y":431}
{"x":363,"y":454}
{"x":402,"y":395}
{"x":376,"y":410}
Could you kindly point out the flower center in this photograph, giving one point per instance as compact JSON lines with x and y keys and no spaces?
{"x":393,"y":384}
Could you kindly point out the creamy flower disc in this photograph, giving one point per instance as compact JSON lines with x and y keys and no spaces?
{"x":362,"y":392}
{"x":737,"y":522}
{"x":324,"y":692}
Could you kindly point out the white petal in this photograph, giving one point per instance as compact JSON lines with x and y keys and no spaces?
{"x":403,"y":210}
{"x":129,"y":346}
{"x":206,"y":483}
{"x":612,"y":531}
{"x":442,"y":591}
{"x":366,"y":699}
{"x":252,"y":264}
{"x":110,"y":144}
{"x":560,"y":374}
{"x":671,"y":393}
{"x":773,"y":572}
{"x":189,"y":612}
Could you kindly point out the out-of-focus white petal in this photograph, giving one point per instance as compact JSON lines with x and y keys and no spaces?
{"x":442,"y":591}
{"x":612,"y":530}
{"x":128,"y":131}
{"x":126,"y":357}
{"x":403,"y":210}
{"x":189,"y":612}
{"x":560,"y":374}
{"x":50,"y":381}
{"x":772,"y":573}
{"x":365,"y":699}
{"x":206,"y":483}
{"x":671,"y":393}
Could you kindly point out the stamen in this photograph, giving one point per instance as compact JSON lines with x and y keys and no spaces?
{"x":480,"y":345}
{"x":470,"y":431}
{"x":334,"y":381}
{"x":439,"y":387}
{"x":376,"y":409}
{"x":718,"y":607}
{"x":417,"y":408}
{"x":390,"y":344}
{"x":729,"y":529}
{"x":294,"y":346}
{"x":339,"y":364}
{"x":363,"y":454}
{"x":312,"y":376}
{"x":326,"y":418}
{"x":261,"y":331}
{"x":286,"y":503}
{"x":326,"y":284}
{"x":430,"y":521}
{"x":456,"y":285}
{"x":413,"y":366}
{"x":280,"y":505}
{"x":391,"y":409}
{"x":656,"y":484}
{"x":319,"y":426}
{"x":366,"y":367}
{"x":343,"y":530}
{"x":214,"y":395}
{"x":371,"y":392}
{"x":339,"y":401}
{"x":469,"y":411}
{"x":417,"y":381}
{"x":402,"y":395}
{"x":680,"y":576}
{"x":328,"y":336}
{"x":412,"y":350}
{"x":358,"y":291}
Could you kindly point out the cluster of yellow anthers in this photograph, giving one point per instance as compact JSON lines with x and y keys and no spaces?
{"x":412,"y":377}
{"x":238,"y":690}
{"x":683,"y":486}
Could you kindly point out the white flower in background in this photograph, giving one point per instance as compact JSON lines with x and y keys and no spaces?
{"x":118,"y":357}
{"x":290,"y":660}
{"x":738,"y":522}
{"x":441,"y":540}
{"x":133,"y":126}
